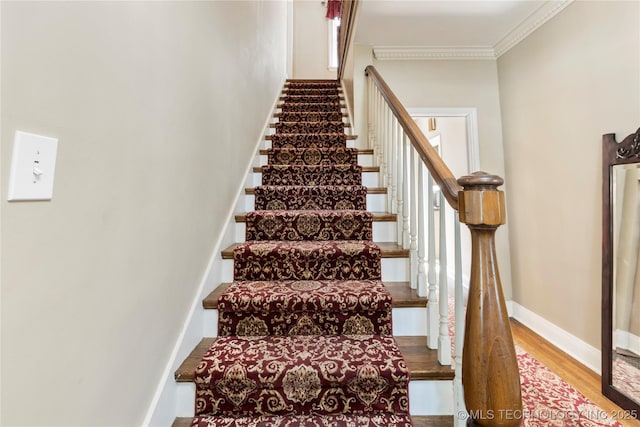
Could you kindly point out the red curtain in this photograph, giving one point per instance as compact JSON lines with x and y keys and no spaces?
{"x":333,"y":9}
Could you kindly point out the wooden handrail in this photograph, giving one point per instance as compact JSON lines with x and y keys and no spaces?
{"x":490,"y":376}
{"x":348,"y":10}
{"x":439,"y":170}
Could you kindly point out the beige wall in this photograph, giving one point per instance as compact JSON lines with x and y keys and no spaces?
{"x":311,"y":41}
{"x":158,"y":107}
{"x":456,"y":84}
{"x":571,"y":81}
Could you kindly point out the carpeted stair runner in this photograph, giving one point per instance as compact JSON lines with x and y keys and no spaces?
{"x":310,"y":127}
{"x":311,"y":175}
{"x":307,"y":260}
{"x":310,"y":116}
{"x":303,"y":140}
{"x":302,"y":106}
{"x":309,"y":225}
{"x":299,"y":197}
{"x":377,"y":420}
{"x":328,"y":307}
{"x":312,"y":98}
{"x":305,"y":328}
{"x":313,"y":156}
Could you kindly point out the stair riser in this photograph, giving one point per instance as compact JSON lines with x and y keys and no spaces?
{"x":350,"y":143}
{"x":363,"y":159}
{"x":342,"y":267}
{"x":304,"y":323}
{"x":309,"y":226}
{"x":311,"y":198}
{"x":369,"y":179}
{"x":425,"y":398}
{"x":383,"y":231}
{"x":393,"y":270}
{"x":332,"y":116}
{"x":407,"y":321}
{"x":310,"y":127}
{"x":431,"y":398}
{"x":313,"y":157}
{"x":312,"y":175}
{"x":375,"y":202}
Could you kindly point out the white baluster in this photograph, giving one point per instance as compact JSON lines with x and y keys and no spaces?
{"x":422,"y":240}
{"x":383,"y":144}
{"x":370,"y":110}
{"x":391,"y":191}
{"x":399,"y":181}
{"x":458,"y":390}
{"x":444,"y":339}
{"x":376,"y":128}
{"x":432,"y":304}
{"x":406,"y":186}
{"x":413,"y":217}
{"x":387,"y":154}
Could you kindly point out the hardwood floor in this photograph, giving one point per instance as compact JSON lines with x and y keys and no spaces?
{"x":575,"y":373}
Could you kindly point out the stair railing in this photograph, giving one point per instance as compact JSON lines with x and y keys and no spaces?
{"x":421,"y":187}
{"x":348,"y":14}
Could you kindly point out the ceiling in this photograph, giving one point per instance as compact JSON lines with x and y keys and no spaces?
{"x":451,"y":24}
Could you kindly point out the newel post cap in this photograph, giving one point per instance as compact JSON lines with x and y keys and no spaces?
{"x":480,"y":201}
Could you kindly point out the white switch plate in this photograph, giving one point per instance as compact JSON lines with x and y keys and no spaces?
{"x":32,"y":167}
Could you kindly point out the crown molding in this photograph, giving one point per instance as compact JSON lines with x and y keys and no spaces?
{"x":432,"y":53}
{"x":534,"y":21}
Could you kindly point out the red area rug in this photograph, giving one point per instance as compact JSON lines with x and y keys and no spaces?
{"x":547,"y":399}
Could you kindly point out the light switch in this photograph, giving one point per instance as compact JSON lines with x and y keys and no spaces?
{"x":32,"y":167}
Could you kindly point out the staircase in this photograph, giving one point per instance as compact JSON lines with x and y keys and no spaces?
{"x":310,"y":330}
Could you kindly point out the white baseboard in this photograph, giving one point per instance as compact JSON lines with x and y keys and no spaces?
{"x":430,"y":398}
{"x":165,"y":403}
{"x":570,"y":344}
{"x":626,"y":340}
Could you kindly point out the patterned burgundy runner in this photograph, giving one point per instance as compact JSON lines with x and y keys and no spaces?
{"x":305,"y":328}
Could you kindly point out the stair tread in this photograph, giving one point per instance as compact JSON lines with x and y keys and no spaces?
{"x":312,"y":224}
{"x":307,"y":113}
{"x":401,"y":293}
{"x":295,"y":295}
{"x":302,"y":372}
{"x":421,"y":361}
{"x":332,"y":197}
{"x":318,"y":174}
{"x":370,"y":190}
{"x":258,"y":169}
{"x":275,"y":125}
{"x":389,"y":250}
{"x":268,"y":137}
{"x":418,"y":421}
{"x":377,"y":216}
{"x":265,"y":151}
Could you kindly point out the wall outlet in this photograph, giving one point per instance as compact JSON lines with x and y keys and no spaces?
{"x":32,"y":167}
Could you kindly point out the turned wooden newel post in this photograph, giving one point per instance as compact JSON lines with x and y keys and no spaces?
{"x":489,"y":367}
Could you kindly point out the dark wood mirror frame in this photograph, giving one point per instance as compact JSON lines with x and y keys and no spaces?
{"x":614,"y":153}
